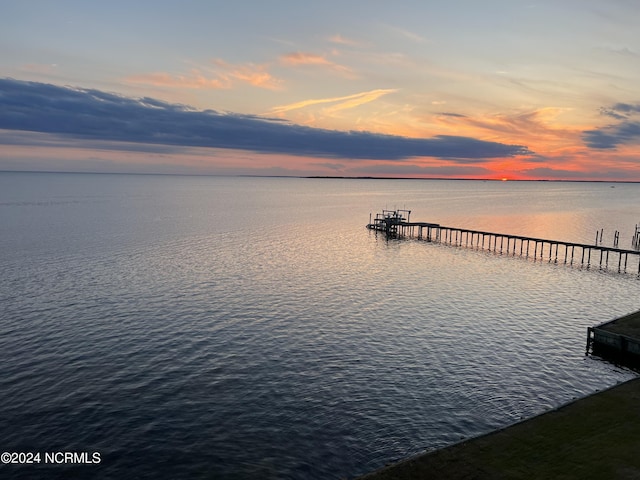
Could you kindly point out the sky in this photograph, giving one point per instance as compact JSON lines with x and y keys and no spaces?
{"x":498,"y":89}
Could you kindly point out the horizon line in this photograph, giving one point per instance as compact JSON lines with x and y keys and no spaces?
{"x":328,"y":177}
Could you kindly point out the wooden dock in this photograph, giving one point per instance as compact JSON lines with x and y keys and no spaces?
{"x":396,"y":224}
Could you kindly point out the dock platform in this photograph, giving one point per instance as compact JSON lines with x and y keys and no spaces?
{"x":617,"y":340}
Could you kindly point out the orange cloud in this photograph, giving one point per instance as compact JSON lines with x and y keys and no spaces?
{"x":340,"y":40}
{"x":194,"y":79}
{"x":295,"y":59}
{"x":222,"y":75}
{"x":301,"y":58}
{"x":256,"y":75}
{"x":349,"y":101}
{"x":539,"y":129}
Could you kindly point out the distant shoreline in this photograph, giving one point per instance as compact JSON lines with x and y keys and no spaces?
{"x":329,"y":177}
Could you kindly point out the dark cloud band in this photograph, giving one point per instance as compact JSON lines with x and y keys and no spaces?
{"x":96,"y":115}
{"x":626,"y":131}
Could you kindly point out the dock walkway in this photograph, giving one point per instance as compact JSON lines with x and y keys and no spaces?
{"x":395,"y":224}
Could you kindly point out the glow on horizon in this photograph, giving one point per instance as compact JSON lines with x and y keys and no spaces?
{"x":559,"y":78}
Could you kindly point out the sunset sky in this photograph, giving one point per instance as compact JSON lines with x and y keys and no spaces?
{"x":456,"y":89}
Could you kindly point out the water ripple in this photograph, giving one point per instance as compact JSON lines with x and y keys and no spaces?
{"x":285,"y":350}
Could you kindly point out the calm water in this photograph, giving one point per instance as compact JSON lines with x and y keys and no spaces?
{"x":209,"y":327}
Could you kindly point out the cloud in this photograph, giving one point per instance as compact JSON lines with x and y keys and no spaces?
{"x":406,"y":33}
{"x":620,"y":111}
{"x":256,"y":75}
{"x":348,"y":101}
{"x":537,"y":123}
{"x":295,"y":59}
{"x":626,"y":131}
{"x":438,"y":171}
{"x":618,"y":50}
{"x":93,"y":115}
{"x":340,"y":40}
{"x":301,"y":58}
{"x":221,"y":75}
{"x":329,"y":165}
{"x":450,"y":114}
{"x":194,"y":79}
